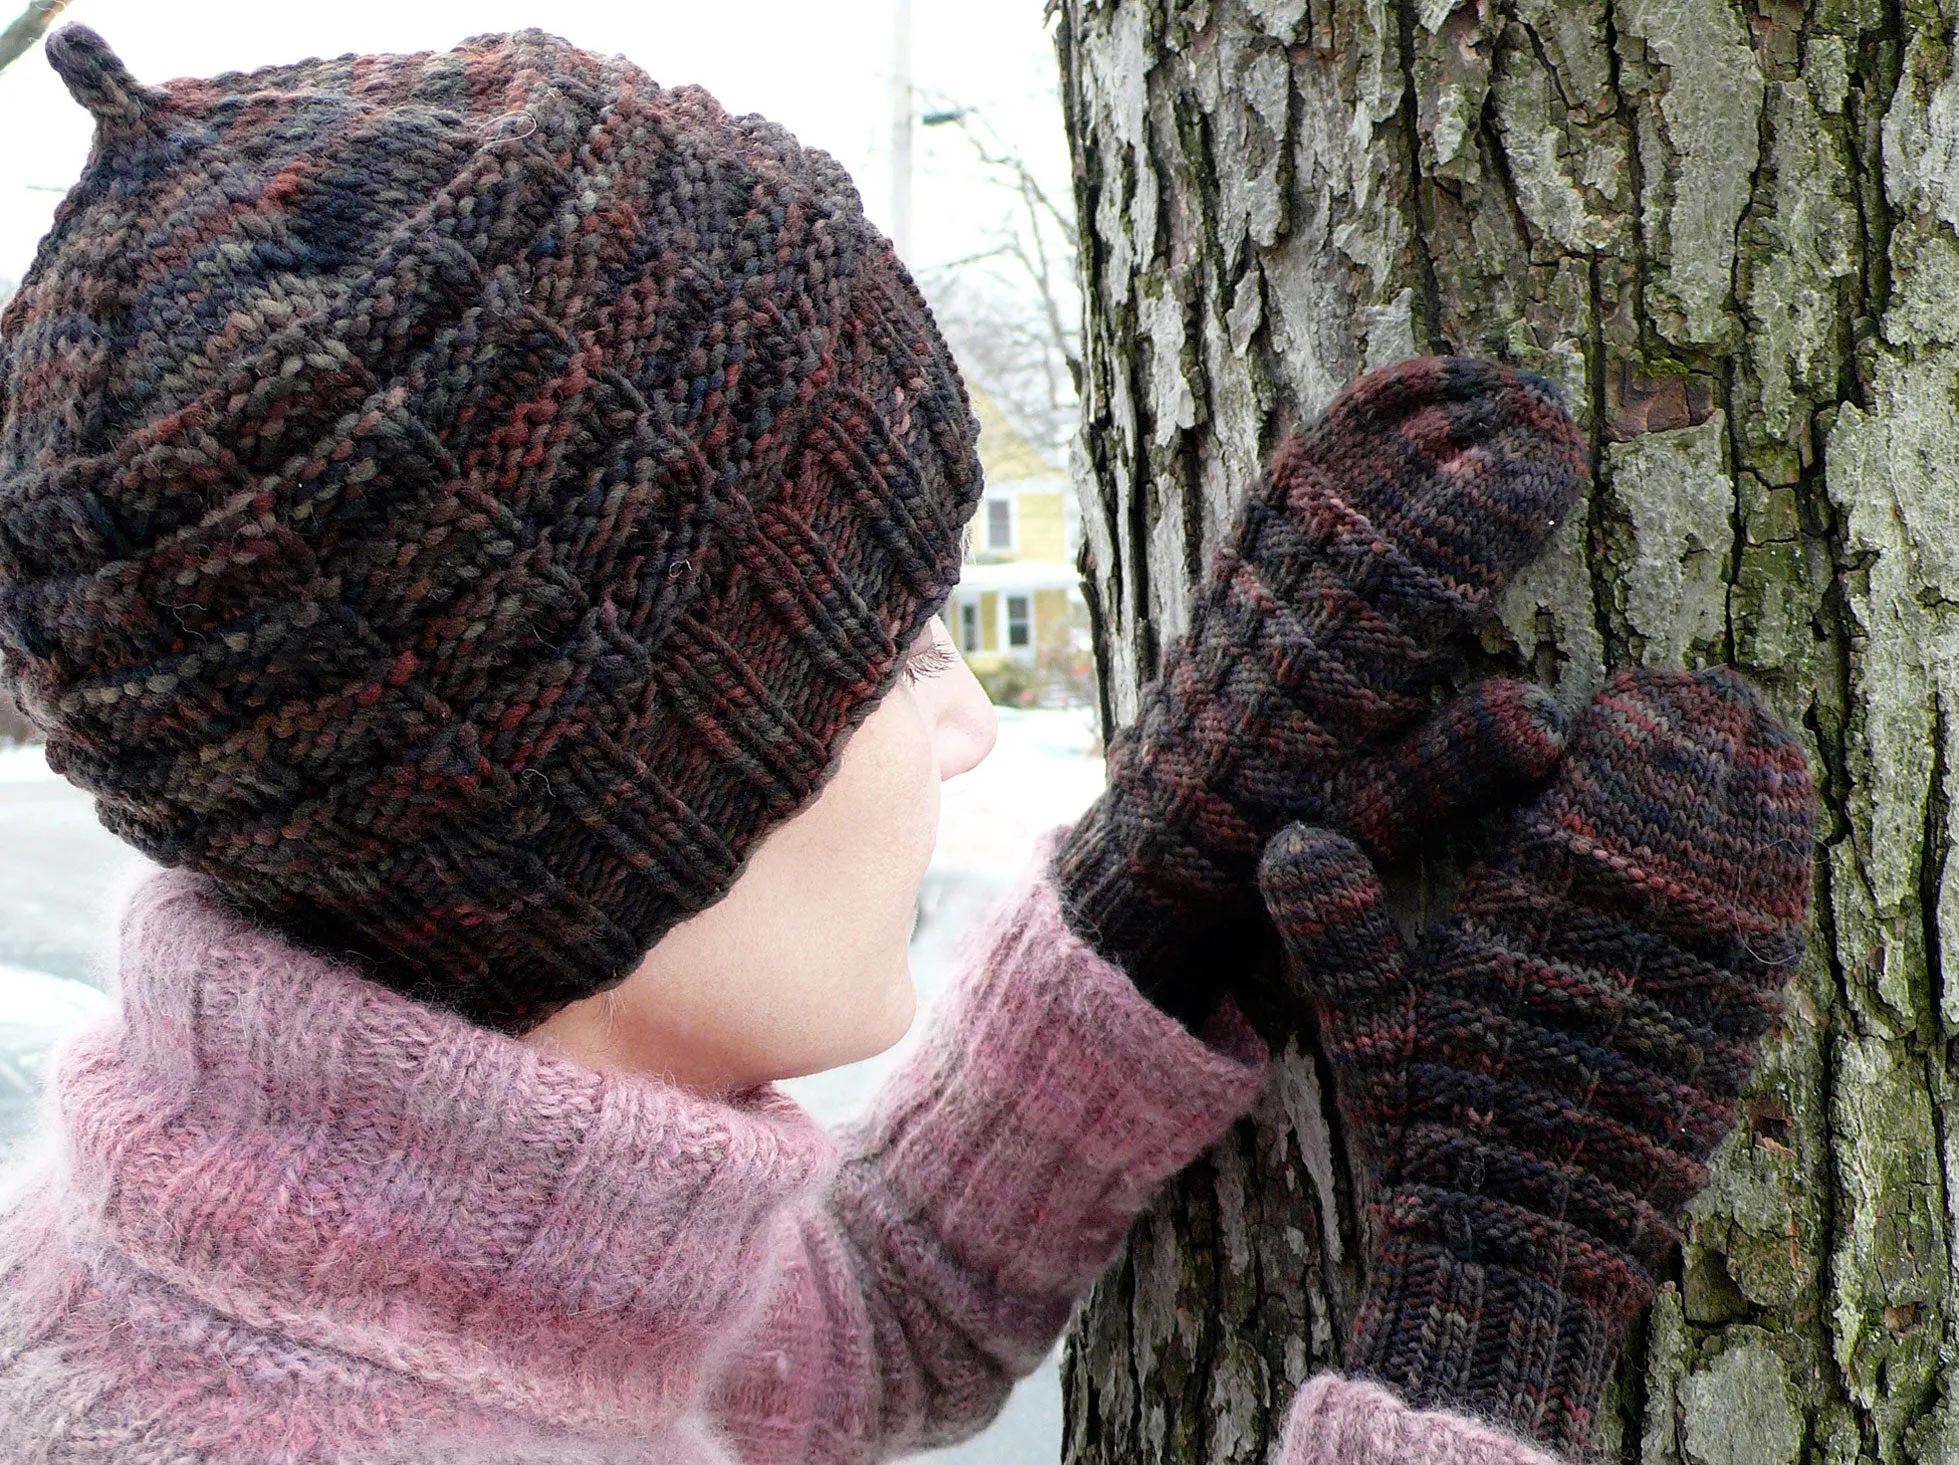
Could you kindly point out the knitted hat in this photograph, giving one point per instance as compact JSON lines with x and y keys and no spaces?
{"x":460,"y":502}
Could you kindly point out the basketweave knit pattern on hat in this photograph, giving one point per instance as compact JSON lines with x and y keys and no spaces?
{"x":1373,"y":542}
{"x":1537,"y":1092}
{"x":461,"y":501}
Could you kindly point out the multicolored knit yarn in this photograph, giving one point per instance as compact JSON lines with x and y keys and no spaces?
{"x":1373,"y":542}
{"x":1536,"y":1094}
{"x":461,"y":501}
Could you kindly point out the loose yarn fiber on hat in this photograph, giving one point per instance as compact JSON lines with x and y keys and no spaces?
{"x":461,"y":501}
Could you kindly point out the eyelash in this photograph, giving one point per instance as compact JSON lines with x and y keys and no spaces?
{"x":928,"y":662}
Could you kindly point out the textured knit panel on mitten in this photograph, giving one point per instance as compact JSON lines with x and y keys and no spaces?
{"x":1571,"y":1044}
{"x":461,"y":501}
{"x":1371,"y":544}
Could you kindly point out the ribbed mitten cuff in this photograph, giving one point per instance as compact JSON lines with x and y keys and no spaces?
{"x":1490,"y":1335}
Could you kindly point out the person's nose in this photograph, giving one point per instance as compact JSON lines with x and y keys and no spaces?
{"x":963,"y":725}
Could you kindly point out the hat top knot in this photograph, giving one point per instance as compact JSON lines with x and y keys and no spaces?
{"x":96,"y":77}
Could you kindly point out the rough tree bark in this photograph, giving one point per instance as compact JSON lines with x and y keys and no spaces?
{"x":1727,"y":229}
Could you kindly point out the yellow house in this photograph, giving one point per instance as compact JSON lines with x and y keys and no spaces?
{"x":1019,"y":596}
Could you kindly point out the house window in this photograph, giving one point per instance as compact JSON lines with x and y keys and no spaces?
{"x":1020,"y":621}
{"x":999,"y":524}
{"x":969,"y":626}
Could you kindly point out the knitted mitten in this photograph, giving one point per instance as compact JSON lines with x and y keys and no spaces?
{"x":1372,"y":543}
{"x":1535,"y":1093}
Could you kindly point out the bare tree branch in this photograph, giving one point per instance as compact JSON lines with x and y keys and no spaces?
{"x":996,"y":154}
{"x":27,"y":28}
{"x":998,"y":251}
{"x":1010,"y":309}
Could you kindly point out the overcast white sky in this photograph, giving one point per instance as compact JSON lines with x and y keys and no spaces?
{"x":822,"y":68}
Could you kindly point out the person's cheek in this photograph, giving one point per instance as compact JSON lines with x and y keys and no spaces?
{"x":908,"y":832}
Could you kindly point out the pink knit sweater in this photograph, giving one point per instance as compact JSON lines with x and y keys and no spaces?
{"x":293,"y":1217}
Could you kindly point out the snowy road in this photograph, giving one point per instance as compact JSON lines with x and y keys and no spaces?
{"x":60,"y":872}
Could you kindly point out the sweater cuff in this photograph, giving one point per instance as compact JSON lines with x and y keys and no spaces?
{"x":1342,"y":1421}
{"x":1052,"y":1100}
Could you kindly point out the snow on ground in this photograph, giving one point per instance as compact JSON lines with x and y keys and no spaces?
{"x":1044,"y":770}
{"x":25,"y":763}
{"x":59,"y":869}
{"x":36,"y":1012}
{"x":37,"y":1000}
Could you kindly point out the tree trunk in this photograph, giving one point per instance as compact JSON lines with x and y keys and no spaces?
{"x":1727,"y":229}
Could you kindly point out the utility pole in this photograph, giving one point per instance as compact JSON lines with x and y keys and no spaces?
{"x":901,"y":126}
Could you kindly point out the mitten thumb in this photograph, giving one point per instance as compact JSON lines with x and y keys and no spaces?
{"x":1494,"y":744}
{"x":1331,"y":913}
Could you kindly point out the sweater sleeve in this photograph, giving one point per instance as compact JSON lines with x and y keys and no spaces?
{"x":986,"y":1191}
{"x":1340,"y":1421}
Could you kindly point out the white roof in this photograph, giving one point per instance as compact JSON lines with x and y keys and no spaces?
{"x":999,"y":488}
{"x":1020,"y":575}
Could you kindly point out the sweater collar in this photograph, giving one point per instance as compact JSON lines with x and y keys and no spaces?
{"x":313,"y":1154}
